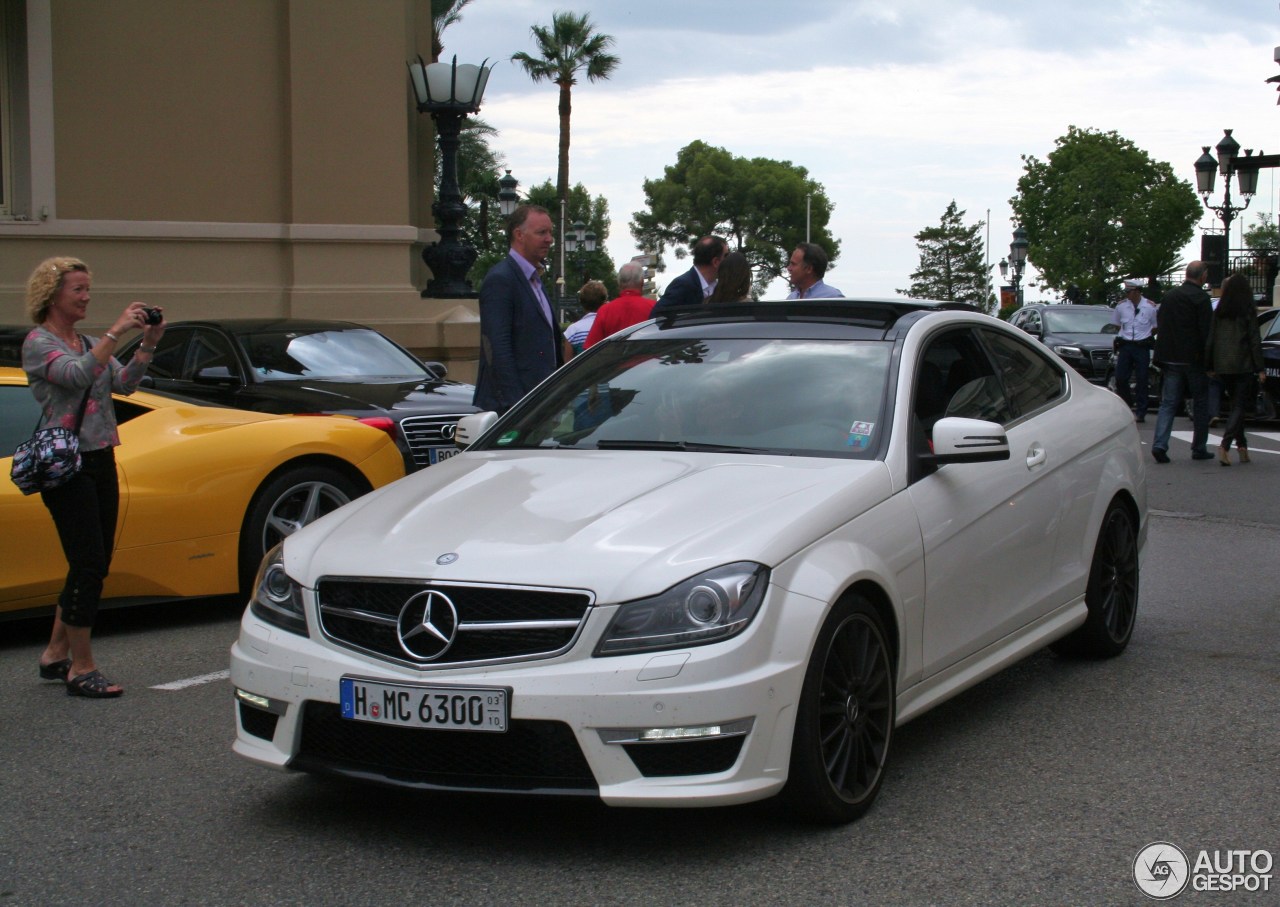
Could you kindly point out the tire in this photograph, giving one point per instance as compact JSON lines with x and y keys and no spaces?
{"x":1112,"y":592}
{"x":845,"y":718}
{"x":1265,"y":408}
{"x":283,"y":505}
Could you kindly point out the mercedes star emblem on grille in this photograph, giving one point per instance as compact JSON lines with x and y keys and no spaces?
{"x":427,"y":625}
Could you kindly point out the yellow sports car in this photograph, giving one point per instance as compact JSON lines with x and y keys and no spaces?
{"x":204,"y":492}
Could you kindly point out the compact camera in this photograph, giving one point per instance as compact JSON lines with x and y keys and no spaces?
{"x":152,"y":316}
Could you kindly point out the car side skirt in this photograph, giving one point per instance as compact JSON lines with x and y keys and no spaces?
{"x":926,"y":694}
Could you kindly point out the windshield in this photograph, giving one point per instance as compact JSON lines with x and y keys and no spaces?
{"x":752,"y":395}
{"x":334,"y":355}
{"x":1083,"y":320}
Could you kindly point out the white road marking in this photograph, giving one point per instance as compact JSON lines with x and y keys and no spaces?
{"x":1216,"y":440}
{"x":194,"y":681}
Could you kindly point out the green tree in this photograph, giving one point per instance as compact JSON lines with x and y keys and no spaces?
{"x":952,"y":263}
{"x":570,"y":47}
{"x":758,"y":205}
{"x":1264,"y":235}
{"x":592,"y":210}
{"x":1099,"y":209}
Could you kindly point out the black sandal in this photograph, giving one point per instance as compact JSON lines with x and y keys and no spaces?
{"x":93,"y":685}
{"x":55,"y":670}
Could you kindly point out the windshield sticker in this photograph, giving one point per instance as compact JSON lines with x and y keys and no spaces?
{"x":860,"y":435}
{"x":509,"y":437}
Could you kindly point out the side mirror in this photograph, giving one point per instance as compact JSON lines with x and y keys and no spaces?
{"x":436,"y":370}
{"x":216,"y":374}
{"x":472,"y":426}
{"x":957,"y":440}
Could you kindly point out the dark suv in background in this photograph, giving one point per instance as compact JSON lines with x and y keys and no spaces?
{"x":1081,"y":334}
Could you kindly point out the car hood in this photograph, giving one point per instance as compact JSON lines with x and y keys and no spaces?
{"x":368,"y":395}
{"x":624,"y":524}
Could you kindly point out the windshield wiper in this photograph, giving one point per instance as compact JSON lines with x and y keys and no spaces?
{"x":695,"y":446}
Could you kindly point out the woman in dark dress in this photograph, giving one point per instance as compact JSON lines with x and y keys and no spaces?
{"x":1233,"y":355}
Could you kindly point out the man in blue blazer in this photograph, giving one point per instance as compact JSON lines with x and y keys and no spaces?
{"x":519,"y":338}
{"x":696,"y":284}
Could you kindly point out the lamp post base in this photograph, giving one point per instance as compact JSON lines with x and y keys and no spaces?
{"x":450,"y":262}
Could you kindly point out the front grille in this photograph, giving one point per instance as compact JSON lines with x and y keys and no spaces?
{"x":685,"y":757}
{"x":531,"y":757}
{"x":494,"y":623}
{"x":424,"y":432}
{"x":1100,"y":360}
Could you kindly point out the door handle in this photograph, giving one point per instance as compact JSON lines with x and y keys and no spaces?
{"x":1036,"y":456}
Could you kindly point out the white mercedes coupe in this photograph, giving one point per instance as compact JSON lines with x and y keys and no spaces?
{"x":719,"y":557}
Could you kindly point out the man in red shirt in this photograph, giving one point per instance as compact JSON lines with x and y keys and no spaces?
{"x":629,"y":308}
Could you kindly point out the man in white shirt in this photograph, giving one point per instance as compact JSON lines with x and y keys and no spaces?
{"x":1135,"y":316}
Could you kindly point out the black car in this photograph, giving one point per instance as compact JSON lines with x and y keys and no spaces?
{"x":276,"y":365}
{"x":1081,"y":334}
{"x":1269,"y":394}
{"x":11,"y":338}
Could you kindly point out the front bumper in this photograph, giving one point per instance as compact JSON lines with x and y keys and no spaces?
{"x":722,"y":715}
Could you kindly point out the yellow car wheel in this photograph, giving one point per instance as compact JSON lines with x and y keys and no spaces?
{"x":286,"y":503}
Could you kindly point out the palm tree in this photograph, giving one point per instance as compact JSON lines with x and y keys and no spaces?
{"x":443,"y":14}
{"x":569,"y":47}
{"x":479,"y":166}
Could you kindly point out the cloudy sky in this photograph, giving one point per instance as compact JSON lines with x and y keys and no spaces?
{"x":895,"y":106}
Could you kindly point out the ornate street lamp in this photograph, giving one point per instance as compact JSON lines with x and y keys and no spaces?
{"x":1018,"y":256}
{"x":508,"y":198}
{"x":449,"y":93}
{"x":580,"y":242}
{"x":1228,"y":161}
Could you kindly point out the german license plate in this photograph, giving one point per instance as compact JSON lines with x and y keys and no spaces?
{"x":423,"y":706}
{"x":438,"y":454}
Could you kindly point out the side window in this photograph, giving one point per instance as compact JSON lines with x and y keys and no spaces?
{"x":956,"y":378}
{"x":171,"y":352}
{"x":1032,"y":381}
{"x":210,"y":356}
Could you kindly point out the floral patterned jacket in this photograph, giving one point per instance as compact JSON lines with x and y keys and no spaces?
{"x":59,"y":374}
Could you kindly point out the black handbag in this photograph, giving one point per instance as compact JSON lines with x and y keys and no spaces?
{"x":50,"y":457}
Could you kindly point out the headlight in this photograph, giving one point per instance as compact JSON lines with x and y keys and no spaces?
{"x":707,"y":608}
{"x":277,"y":599}
{"x":1072,"y":352}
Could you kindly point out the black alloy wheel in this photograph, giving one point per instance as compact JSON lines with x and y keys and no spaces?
{"x":845,"y":719}
{"x":1112,"y":592}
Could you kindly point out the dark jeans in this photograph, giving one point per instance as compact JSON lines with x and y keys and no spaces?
{"x":1179,"y":380}
{"x":1133,"y":358}
{"x":84,"y":510}
{"x":1243,"y":389}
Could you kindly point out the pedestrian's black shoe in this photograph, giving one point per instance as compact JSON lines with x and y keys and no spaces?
{"x":1201,"y":455}
{"x":1160,"y":455}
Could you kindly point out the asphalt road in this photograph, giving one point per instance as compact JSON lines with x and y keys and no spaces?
{"x":1040,"y":786}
